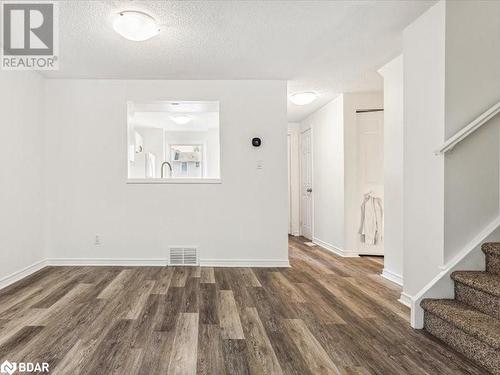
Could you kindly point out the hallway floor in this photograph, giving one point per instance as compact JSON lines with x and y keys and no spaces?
{"x":324,"y":315}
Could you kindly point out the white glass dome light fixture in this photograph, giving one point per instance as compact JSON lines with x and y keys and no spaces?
{"x":136,"y":26}
{"x":181,"y":119}
{"x":303,"y":98}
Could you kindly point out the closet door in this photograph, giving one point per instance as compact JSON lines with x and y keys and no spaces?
{"x":370,"y":127}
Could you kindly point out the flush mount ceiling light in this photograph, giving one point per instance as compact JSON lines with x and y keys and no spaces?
{"x":181,"y":119}
{"x":303,"y":98}
{"x":136,"y":26}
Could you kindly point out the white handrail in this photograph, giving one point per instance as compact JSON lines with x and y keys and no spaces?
{"x":469,"y":129}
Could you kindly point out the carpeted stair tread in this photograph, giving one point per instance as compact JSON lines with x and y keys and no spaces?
{"x":480,"y":280}
{"x":482,"y":326}
{"x":492,"y":248}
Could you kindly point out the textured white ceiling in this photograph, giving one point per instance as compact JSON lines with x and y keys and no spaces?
{"x":327,"y":46}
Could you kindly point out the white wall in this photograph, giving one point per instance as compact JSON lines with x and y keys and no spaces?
{"x":21,"y":173}
{"x":472,"y":86}
{"x":243,"y":220}
{"x":294,"y":178}
{"x":393,"y":168}
{"x":328,"y":173}
{"x":451,"y":202}
{"x":424,"y":69}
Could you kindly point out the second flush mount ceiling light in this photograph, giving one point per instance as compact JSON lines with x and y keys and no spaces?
{"x":181,"y":119}
{"x":303,"y":98}
{"x":136,"y":26}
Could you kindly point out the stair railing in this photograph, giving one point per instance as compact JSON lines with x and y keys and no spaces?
{"x":469,"y":129}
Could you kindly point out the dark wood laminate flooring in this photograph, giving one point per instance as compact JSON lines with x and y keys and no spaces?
{"x":324,"y":315}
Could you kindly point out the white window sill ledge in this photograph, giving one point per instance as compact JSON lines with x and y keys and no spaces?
{"x":174,"y":181}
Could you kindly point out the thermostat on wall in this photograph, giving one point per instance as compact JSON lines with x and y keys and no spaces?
{"x":256,"y":142}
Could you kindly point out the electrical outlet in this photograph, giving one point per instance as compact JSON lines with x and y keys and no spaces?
{"x":97,"y":240}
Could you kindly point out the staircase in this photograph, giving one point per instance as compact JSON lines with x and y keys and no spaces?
{"x":470,"y":323}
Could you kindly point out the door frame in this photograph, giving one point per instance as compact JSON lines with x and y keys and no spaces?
{"x":301,"y":208}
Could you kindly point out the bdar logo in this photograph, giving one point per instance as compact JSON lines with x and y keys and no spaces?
{"x":8,"y":368}
{"x":24,"y":367}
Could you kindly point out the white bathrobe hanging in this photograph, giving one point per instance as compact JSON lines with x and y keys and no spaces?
{"x":371,"y":228}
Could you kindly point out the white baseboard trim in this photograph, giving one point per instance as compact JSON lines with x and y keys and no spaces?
{"x":130,"y":262}
{"x":134,"y":262}
{"x":244,"y":262}
{"x":21,"y":274}
{"x":334,"y":249}
{"x":391,"y":276}
{"x":405,"y":299}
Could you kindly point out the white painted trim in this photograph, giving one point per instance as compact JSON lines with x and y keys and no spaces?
{"x":21,"y":274}
{"x":164,"y":262}
{"x":130,"y":262}
{"x":335,"y":249}
{"x":244,"y":262}
{"x":391,"y":276}
{"x":417,"y":313}
{"x":405,"y":299}
{"x":463,"y":133}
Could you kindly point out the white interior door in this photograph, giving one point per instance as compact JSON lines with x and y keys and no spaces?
{"x":370,"y":166}
{"x":289,"y":142}
{"x":306,"y":207}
